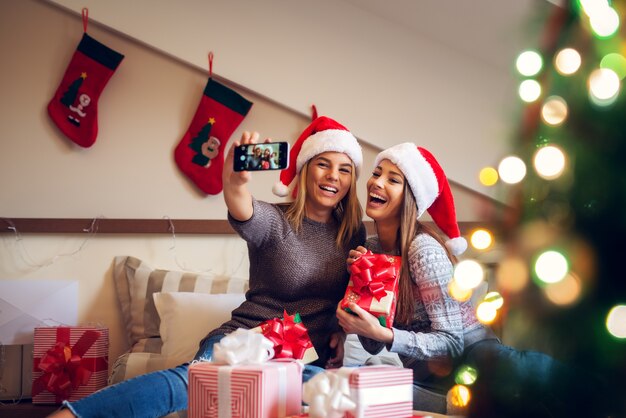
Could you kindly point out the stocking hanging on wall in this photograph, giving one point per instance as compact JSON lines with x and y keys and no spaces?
{"x":200,"y":153}
{"x":74,"y":107}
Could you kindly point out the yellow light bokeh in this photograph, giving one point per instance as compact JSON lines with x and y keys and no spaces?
{"x":512,"y":274}
{"x":549,"y":162}
{"x":459,"y":293}
{"x":459,"y":396}
{"x":554,"y":111}
{"x":551,"y":267}
{"x":468,"y":274}
{"x":567,"y":61}
{"x":488,"y":176}
{"x":604,"y":84}
{"x":466,"y":375}
{"x":529,"y":63}
{"x":486,"y":312}
{"x":529,"y":90}
{"x":512,"y":169}
{"x":481,"y":239}
{"x":564,"y":292}
{"x":605,"y":22}
{"x":495,"y":299}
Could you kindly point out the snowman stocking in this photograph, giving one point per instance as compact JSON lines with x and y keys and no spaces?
{"x":74,"y":107}
{"x":200,"y":153}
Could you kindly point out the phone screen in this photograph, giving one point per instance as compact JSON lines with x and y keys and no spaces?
{"x":258,"y":157}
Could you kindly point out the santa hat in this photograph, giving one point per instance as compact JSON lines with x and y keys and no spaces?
{"x":322,"y":135}
{"x":430,"y":187}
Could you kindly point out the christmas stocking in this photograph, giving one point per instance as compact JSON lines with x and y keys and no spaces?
{"x":200,"y":154}
{"x":74,"y":107}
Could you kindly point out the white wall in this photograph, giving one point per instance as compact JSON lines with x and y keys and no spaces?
{"x":128,"y":173}
{"x":387,"y":82}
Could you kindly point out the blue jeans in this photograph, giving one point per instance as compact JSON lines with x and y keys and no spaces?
{"x":150,"y":395}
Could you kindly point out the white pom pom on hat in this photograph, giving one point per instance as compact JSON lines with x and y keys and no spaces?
{"x":322,"y":135}
{"x":430,"y":188}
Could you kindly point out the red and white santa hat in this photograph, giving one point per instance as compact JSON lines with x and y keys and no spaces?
{"x":322,"y":135}
{"x":430,"y":187}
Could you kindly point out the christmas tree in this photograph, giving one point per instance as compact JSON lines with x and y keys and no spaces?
{"x":563,"y":270}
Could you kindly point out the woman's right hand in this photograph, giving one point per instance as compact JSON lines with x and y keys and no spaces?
{"x":236,"y":194}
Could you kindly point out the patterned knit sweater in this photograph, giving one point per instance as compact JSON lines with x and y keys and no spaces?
{"x":303,"y":272}
{"x":442,"y":326}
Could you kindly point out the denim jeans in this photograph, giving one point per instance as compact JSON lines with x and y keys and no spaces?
{"x":153,"y":394}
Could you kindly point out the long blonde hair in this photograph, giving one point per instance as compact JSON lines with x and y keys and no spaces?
{"x":410,"y":227}
{"x":348,"y":212}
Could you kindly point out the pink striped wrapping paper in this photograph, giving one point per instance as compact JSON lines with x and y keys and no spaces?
{"x":381,"y":392}
{"x":269,"y":390}
{"x":96,"y":359}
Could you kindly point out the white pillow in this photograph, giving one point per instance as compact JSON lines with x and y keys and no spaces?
{"x":186,"y":318}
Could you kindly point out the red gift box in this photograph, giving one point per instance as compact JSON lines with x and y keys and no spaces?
{"x":374,"y":286}
{"x":290,"y":338}
{"x":69,"y":363}
{"x":268,"y":390}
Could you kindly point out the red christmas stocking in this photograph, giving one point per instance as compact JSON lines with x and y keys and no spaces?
{"x":200,"y":154}
{"x":74,"y":107}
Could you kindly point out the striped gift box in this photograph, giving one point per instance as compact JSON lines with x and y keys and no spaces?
{"x":92,"y":363}
{"x":269,"y":390}
{"x":381,"y":392}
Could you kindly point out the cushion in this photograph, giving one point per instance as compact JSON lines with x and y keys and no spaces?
{"x":136,"y":282}
{"x":186,"y":318}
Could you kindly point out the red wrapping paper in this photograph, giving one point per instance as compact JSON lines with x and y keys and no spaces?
{"x":69,"y":363}
{"x":374,"y":286}
{"x":290,"y":338}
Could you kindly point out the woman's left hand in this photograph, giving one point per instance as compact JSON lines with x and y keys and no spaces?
{"x":337,"y":339}
{"x":363,"y":323}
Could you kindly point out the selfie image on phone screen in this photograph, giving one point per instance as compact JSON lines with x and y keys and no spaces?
{"x":266,"y":156}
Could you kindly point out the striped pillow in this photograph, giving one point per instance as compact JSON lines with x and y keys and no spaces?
{"x":135,"y":283}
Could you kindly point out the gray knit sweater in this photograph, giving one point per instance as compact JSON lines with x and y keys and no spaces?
{"x":303,"y":272}
{"x":442,"y":326}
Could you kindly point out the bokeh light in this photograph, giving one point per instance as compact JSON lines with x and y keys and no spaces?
{"x":554,"y":110}
{"x":495,"y":299}
{"x":604,"y":22}
{"x":481,"y":239}
{"x":529,"y":63}
{"x":529,"y":90}
{"x":615,"y":62}
{"x":604,"y":86}
{"x":486,"y":312}
{"x":465,"y":375}
{"x":459,"y":396}
{"x":512,"y":274}
{"x":616,"y":321}
{"x":468,"y":274}
{"x":549,"y":162}
{"x":512,"y":169}
{"x":564,"y":292}
{"x":567,"y":61}
{"x":551,"y":266}
{"x":488,"y":176}
{"x":458,"y":292}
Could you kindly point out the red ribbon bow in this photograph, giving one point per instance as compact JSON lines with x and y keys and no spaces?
{"x":371,"y":272}
{"x":289,"y":336}
{"x":64,"y":367}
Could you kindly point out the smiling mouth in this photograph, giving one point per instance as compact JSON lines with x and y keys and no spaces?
{"x":376,"y":198}
{"x":329,"y":189}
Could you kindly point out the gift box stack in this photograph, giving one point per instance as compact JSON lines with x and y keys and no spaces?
{"x":69,"y":363}
{"x":242,"y":380}
{"x":374,"y":286}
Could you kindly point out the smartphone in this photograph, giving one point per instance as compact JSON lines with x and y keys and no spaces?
{"x":259,"y":157}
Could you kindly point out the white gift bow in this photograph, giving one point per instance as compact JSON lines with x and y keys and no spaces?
{"x":328,"y":394}
{"x":243,"y":346}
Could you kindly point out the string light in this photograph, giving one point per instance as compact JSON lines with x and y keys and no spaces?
{"x":488,"y":176}
{"x":529,"y":63}
{"x":616,"y":321}
{"x":529,"y":90}
{"x":567,"y":61}
{"x":604,"y":86}
{"x":481,"y":239}
{"x":551,"y":266}
{"x":549,"y":162}
{"x":468,"y":274}
{"x":512,"y":169}
{"x":554,"y":110}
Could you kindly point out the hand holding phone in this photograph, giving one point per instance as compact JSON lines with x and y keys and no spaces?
{"x":259,"y":157}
